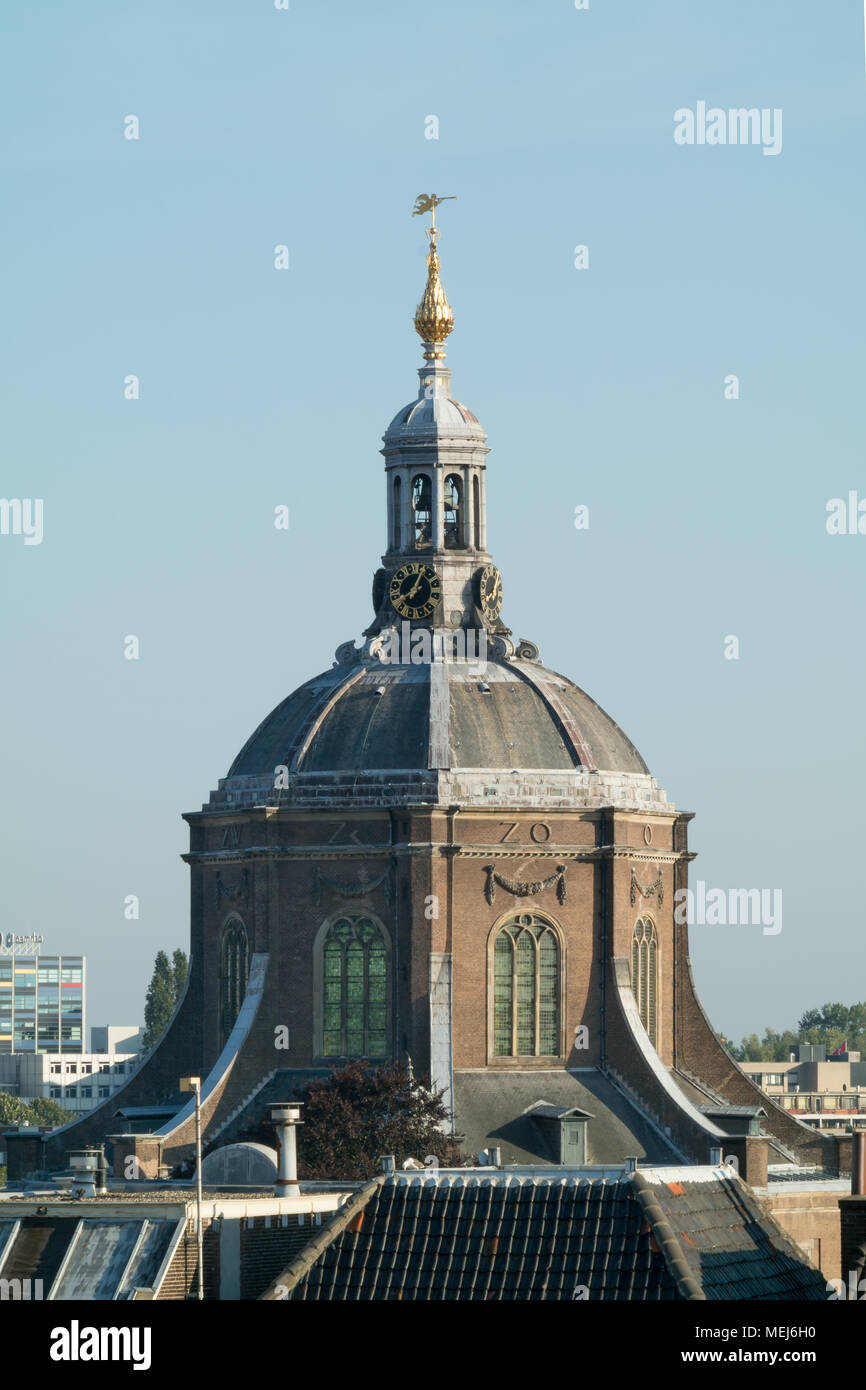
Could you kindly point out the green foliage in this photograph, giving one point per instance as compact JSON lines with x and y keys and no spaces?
{"x":41,"y":1111}
{"x":179,"y":970}
{"x":357,"y":1114}
{"x":46,"y":1111}
{"x":831,"y":1025}
{"x":13,"y":1111}
{"x":163,"y":993}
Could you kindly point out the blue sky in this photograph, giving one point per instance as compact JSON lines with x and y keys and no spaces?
{"x":603,"y":387}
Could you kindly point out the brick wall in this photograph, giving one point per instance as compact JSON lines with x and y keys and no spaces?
{"x":287,"y":872}
{"x":181,"y":1278}
{"x":853,"y":1241}
{"x":813,"y":1220}
{"x":266,"y":1252}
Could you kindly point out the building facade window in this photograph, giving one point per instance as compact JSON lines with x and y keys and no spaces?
{"x":234,"y":969}
{"x":644,"y":974}
{"x":527,"y":966}
{"x":354,"y":989}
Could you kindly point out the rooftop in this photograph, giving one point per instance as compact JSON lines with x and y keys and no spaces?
{"x":501,"y":724}
{"x":693,"y":1233}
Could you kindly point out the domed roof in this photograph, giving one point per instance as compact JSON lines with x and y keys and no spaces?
{"x":364,"y":718}
{"x":433,"y":415}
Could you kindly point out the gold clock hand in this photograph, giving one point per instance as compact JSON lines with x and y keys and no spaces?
{"x":413,"y":591}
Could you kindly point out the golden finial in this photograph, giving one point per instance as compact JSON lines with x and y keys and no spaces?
{"x":433,"y":317}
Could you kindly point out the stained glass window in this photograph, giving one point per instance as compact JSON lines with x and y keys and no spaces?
{"x":644,"y":973}
{"x":234,"y":967}
{"x":526,"y":973}
{"x":355,"y":985}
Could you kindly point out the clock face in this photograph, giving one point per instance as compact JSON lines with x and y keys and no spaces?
{"x":415,"y":590}
{"x":490,"y":591}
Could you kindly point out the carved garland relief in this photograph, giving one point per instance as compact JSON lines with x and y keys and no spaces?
{"x":652,"y":890}
{"x":519,"y":889}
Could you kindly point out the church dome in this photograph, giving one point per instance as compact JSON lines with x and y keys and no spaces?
{"x":404,"y":725}
{"x":386,"y":727}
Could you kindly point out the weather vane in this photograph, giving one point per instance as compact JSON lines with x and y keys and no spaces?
{"x":429,"y":202}
{"x":433,"y":317}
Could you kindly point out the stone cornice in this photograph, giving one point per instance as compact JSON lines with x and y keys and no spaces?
{"x":216,"y":858}
{"x":549,"y":851}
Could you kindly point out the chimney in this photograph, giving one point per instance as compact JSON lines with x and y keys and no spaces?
{"x":387,"y":1162}
{"x":85,"y":1165}
{"x":285,"y":1117}
{"x":858,"y":1163}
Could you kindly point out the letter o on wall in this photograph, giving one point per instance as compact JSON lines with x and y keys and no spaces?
{"x":535,"y":836}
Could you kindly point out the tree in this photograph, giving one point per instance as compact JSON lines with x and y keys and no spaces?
{"x":13,"y":1111}
{"x":163,"y":993}
{"x":46,"y":1111}
{"x":831,"y":1025}
{"x":179,"y":971}
{"x":41,"y":1111}
{"x":357,"y":1114}
{"x":834,"y":1024}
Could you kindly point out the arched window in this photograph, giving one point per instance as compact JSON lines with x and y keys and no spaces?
{"x":476,"y":511}
{"x":644,"y":973}
{"x":234,"y":968}
{"x":396,"y":521}
{"x":453,"y":512}
{"x":422,"y":505}
{"x":354,"y":989}
{"x":526,"y":988}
